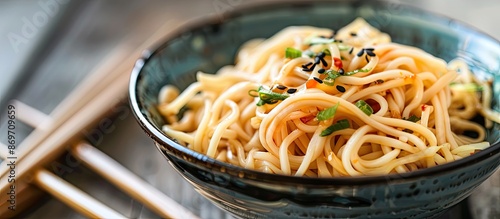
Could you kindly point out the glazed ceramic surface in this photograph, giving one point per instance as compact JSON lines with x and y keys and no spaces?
{"x":208,"y":45}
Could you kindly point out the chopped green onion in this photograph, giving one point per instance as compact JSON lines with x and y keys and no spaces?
{"x":356,"y":71}
{"x":260,"y":103}
{"x":327,"y":113}
{"x":469,"y":87}
{"x":266,"y":96}
{"x":412,"y":118}
{"x":292,"y":53}
{"x":363,"y":106}
{"x":332,"y":75}
{"x":339,"y":125}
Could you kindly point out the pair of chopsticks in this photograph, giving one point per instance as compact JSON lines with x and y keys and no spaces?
{"x":94,"y":98}
{"x":104,"y":166}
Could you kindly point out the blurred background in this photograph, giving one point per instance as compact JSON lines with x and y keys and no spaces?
{"x":48,"y":46}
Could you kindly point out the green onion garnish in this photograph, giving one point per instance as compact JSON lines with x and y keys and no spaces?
{"x":327,"y":113}
{"x":469,"y":87}
{"x":412,"y":118}
{"x":292,"y":53}
{"x":266,"y":96}
{"x":339,"y":125}
{"x":356,"y":71}
{"x":363,"y":106}
{"x":331,"y":75}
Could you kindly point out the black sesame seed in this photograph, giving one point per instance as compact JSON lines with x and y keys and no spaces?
{"x":321,"y":70}
{"x":321,"y":54}
{"x":312,"y":67}
{"x":370,"y":49}
{"x":361,"y":52}
{"x":350,"y":51}
{"x":341,"y":71}
{"x":291,"y":90}
{"x":317,"y":59}
{"x":340,"y":88}
{"x":324,"y":62}
{"x":306,"y":69}
{"x":307,"y":65}
{"x":318,"y":80}
{"x":370,"y":53}
{"x":340,"y":41}
{"x":281,"y":87}
{"x":366,"y":58}
{"x":353,"y":34}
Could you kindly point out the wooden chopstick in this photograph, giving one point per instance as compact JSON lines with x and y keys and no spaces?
{"x":65,"y":192}
{"x":104,"y":74}
{"x":75,"y":198}
{"x":53,"y":145}
{"x":26,"y":196}
{"x":88,"y":89}
{"x":130,"y":183}
{"x":46,"y":145}
{"x":112,"y":170}
{"x":36,"y":118}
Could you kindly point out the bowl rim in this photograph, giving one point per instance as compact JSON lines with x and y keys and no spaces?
{"x":160,"y":138}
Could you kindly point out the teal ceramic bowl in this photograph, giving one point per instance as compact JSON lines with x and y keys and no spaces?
{"x":249,"y":194}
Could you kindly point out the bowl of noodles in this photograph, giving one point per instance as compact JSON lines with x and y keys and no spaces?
{"x":340,"y":109}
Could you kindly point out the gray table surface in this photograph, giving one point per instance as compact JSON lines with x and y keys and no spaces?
{"x":47,"y":60}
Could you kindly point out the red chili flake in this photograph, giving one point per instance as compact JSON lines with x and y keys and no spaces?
{"x":337,"y":62}
{"x":423,"y":107}
{"x":306,"y":119}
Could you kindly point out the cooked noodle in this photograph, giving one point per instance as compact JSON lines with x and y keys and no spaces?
{"x":306,"y":102}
